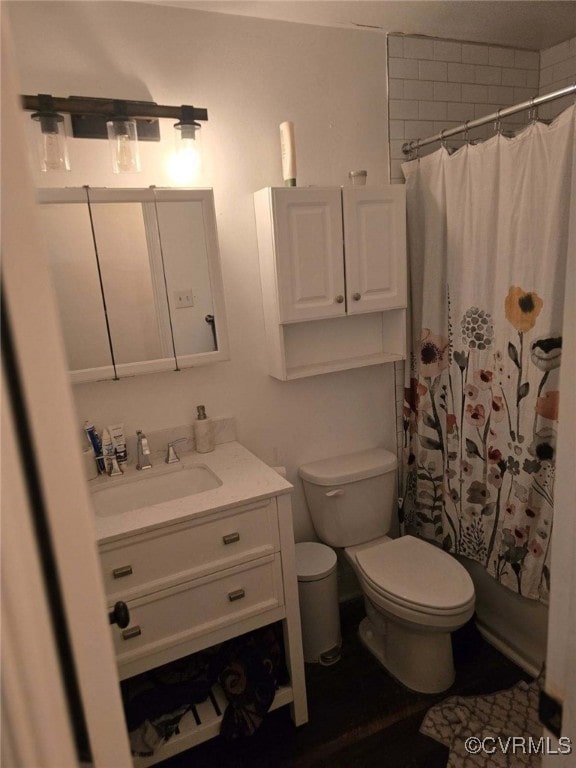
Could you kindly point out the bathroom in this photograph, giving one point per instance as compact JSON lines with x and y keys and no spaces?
{"x":332,"y":82}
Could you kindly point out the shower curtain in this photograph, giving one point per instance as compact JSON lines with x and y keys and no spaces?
{"x":487,"y":240}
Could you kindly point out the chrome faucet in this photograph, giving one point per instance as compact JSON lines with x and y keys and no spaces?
{"x":143,"y":451}
{"x":171,"y":455}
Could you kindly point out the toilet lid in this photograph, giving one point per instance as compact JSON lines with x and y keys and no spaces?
{"x":349,"y":468}
{"x":416,"y":573}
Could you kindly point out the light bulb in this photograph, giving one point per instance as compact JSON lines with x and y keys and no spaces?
{"x":123,"y":142}
{"x":185,"y":164}
{"x":52,"y":145}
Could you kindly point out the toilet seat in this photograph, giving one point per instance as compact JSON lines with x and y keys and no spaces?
{"x":408,"y":575}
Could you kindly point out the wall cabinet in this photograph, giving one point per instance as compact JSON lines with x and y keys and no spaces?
{"x":195,"y":583}
{"x":333,"y":272}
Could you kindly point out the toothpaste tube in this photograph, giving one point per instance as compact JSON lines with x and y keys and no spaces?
{"x":94,"y":439}
{"x":117,"y":435}
{"x":109,"y":454}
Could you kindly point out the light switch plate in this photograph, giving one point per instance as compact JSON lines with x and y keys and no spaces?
{"x":183,"y":299}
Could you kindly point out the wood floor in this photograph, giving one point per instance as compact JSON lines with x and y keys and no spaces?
{"x":359,"y":716}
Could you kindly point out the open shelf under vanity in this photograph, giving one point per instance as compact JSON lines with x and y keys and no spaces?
{"x":202,"y":722}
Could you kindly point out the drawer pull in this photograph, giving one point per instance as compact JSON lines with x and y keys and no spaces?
{"x":128,"y":634}
{"x":238,"y":594}
{"x":231,"y":538}
{"x":125,"y":570}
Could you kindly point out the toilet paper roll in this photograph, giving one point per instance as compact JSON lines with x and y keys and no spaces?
{"x":89,"y":462}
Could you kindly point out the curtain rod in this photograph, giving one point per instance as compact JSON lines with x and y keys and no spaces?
{"x":415,"y":144}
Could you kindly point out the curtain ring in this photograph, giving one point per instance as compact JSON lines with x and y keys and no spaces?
{"x":532,"y":112}
{"x":498,"y":122}
{"x":466,"y":134}
{"x":442,"y":139}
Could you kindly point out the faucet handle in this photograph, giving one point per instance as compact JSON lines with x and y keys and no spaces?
{"x":171,"y":455}
{"x":143,"y":440}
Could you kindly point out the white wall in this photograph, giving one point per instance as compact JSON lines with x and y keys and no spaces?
{"x":557,"y":70}
{"x":251,"y":75}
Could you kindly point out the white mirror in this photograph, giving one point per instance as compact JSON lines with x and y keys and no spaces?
{"x":137,"y":277}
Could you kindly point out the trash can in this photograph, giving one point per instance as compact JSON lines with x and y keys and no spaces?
{"x":319,"y":611}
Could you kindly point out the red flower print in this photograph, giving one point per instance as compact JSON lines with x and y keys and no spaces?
{"x":494,"y":455}
{"x":495,"y":478}
{"x":412,"y":396}
{"x":535,"y":548}
{"x":483,"y":378}
{"x":475,"y":415}
{"x":450,"y":422}
{"x":498,"y":412}
{"x":471,"y":392}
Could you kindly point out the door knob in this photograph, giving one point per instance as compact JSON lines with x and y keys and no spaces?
{"x":339,"y":299}
{"x":119,"y":615}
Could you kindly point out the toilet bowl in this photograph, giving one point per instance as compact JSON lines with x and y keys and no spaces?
{"x":415,"y":593}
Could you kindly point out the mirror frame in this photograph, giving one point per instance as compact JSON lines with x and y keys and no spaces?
{"x":150,"y":196}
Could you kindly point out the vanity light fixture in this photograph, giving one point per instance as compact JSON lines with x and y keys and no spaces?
{"x":52,"y":137}
{"x":124,"y":123}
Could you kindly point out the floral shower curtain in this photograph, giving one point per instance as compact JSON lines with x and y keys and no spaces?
{"x":487,"y":238}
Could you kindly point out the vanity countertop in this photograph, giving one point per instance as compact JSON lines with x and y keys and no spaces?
{"x":244,"y":478}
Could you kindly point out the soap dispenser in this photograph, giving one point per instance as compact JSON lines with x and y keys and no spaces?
{"x":203,"y":431}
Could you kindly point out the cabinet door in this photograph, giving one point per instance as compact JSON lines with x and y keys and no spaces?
{"x":309,"y":254}
{"x":375,"y":247}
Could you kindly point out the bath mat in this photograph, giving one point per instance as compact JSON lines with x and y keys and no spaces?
{"x":500,"y":730}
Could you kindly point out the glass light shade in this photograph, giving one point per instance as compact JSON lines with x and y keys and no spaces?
{"x":123,"y":140}
{"x":52,"y":144}
{"x":185,"y":164}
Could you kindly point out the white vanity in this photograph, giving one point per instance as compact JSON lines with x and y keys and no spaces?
{"x":213,"y":560}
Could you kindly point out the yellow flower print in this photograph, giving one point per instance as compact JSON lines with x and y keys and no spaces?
{"x":522,"y":308}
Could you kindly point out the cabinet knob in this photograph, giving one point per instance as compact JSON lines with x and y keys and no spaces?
{"x":119,"y":615}
{"x":356,"y":296}
{"x":339,"y":299}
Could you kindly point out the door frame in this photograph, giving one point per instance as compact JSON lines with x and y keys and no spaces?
{"x":55,"y":452}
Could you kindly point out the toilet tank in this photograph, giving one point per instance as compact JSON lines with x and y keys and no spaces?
{"x":351,"y":498}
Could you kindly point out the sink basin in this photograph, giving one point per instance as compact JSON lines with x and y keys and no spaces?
{"x":150,"y":488}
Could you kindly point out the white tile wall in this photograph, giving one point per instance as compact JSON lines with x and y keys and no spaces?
{"x":438,"y":84}
{"x":557,"y":69}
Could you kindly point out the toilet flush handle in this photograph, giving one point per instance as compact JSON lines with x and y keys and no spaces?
{"x":336,"y":492}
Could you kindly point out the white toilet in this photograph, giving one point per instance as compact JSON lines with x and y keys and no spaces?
{"x":415,"y":593}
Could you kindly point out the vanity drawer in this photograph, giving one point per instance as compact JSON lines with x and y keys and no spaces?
{"x":177,"y":615}
{"x":153,"y":561}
